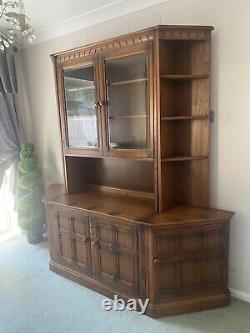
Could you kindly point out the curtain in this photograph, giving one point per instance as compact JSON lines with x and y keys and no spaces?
{"x":9,"y":131}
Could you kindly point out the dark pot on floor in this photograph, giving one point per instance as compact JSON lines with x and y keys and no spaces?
{"x":35,"y":235}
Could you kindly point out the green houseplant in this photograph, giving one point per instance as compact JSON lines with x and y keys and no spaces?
{"x":30,"y":192}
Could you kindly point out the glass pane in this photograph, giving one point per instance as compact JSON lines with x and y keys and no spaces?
{"x":80,"y":107}
{"x":127,"y":102}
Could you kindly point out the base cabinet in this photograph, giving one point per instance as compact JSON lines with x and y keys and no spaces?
{"x":180,"y":269}
{"x":97,"y":247}
{"x":189,"y":259}
{"x":188,"y":269}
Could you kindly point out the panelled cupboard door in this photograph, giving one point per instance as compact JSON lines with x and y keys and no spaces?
{"x":72,"y":240}
{"x":115,"y":255}
{"x":126,"y":97}
{"x":189,"y":260}
{"x":79,"y":107}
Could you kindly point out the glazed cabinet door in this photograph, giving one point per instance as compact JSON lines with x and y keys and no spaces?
{"x":79,"y":107}
{"x":126,"y":101}
{"x":189,"y":260}
{"x":115,"y":255}
{"x":71,"y":240}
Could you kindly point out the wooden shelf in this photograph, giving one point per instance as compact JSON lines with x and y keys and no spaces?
{"x":78,"y":104}
{"x":119,"y":83}
{"x":183,"y":158}
{"x":136,"y":208}
{"x":184,"y":76}
{"x":108,"y":202}
{"x":129,"y":116}
{"x":81,"y":152}
{"x":121,"y":192}
{"x":201,"y":117}
{"x":81,"y":88}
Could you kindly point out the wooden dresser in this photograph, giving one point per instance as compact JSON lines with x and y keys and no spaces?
{"x":133,"y":216}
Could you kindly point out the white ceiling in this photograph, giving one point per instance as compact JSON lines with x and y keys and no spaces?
{"x":54,"y":18}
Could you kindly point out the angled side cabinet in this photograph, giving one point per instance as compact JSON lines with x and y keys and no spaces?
{"x":132,"y":217}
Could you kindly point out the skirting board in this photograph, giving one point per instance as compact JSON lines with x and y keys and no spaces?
{"x":240,"y":295}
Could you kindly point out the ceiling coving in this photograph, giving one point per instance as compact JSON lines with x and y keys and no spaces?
{"x":52,"y":19}
{"x":15,"y":26}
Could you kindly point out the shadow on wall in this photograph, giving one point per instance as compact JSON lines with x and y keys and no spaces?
{"x":50,"y":168}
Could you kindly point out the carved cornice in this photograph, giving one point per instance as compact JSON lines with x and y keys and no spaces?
{"x":185,"y":35}
{"x":165,"y":32}
{"x":129,"y":40}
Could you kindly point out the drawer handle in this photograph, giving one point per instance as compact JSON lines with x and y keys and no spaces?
{"x":156,"y":261}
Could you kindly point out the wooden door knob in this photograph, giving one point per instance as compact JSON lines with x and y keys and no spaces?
{"x":85,"y":239}
{"x":156,"y":261}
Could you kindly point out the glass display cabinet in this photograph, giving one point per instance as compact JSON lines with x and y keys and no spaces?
{"x":106,"y":106}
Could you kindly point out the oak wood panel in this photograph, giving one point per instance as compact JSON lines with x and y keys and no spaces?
{"x":192,"y":179}
{"x":184,"y":98}
{"x":183,"y":158}
{"x":188,"y":258}
{"x":117,"y":173}
{"x":184,"y":59}
{"x":121,"y":192}
{"x":190,"y":33}
{"x":184,"y":118}
{"x":157,"y":104}
{"x":185,"y":138}
{"x":72,"y":240}
{"x":132,"y":209}
{"x":115,"y":249}
{"x":191,"y":302}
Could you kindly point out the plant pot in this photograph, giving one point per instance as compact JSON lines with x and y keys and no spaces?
{"x":35,"y":235}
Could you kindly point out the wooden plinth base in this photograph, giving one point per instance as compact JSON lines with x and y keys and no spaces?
{"x":185,"y":305}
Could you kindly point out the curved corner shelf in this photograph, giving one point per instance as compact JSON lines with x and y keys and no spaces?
{"x":184,"y":76}
{"x":183,"y":158}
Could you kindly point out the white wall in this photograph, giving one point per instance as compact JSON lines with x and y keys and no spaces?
{"x":230,"y":146}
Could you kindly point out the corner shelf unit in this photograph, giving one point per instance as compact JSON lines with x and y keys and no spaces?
{"x":184,"y":67}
